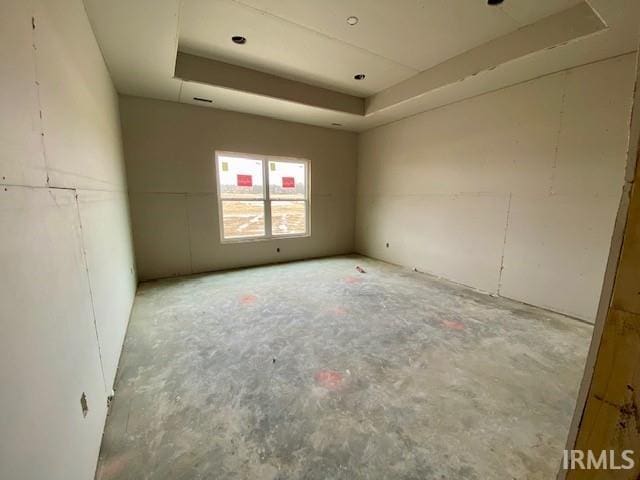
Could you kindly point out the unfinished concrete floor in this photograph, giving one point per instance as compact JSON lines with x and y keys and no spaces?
{"x":311,"y":370}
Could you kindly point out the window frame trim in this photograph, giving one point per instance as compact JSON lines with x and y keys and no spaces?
{"x":266,"y":197}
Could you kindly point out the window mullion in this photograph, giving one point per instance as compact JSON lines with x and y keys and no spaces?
{"x":267,"y":197}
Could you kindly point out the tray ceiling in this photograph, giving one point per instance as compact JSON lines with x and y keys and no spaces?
{"x":416,"y":54}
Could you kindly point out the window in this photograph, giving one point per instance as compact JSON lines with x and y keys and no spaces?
{"x":262,"y":197}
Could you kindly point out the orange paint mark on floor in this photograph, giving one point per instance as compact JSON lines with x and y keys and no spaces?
{"x":338,"y":311}
{"x":113,"y":467}
{"x":329,"y":379}
{"x":248,"y":299}
{"x":453,"y":325}
{"x":352,"y":279}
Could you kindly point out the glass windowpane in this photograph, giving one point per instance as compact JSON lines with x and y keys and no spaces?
{"x":242,"y":219}
{"x":240,"y":177}
{"x":288,"y":217}
{"x":287,"y":180}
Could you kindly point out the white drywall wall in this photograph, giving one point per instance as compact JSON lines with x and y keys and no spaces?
{"x":513,"y":192}
{"x":169,"y":150}
{"x":67,"y":276}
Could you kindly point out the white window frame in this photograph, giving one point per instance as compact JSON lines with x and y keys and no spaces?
{"x":266,"y":197}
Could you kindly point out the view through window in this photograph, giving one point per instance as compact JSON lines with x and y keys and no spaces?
{"x":249,"y":210}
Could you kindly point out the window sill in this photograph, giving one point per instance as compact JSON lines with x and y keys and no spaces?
{"x":263,"y":239}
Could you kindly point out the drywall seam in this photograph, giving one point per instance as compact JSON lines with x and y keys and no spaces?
{"x":47,"y":169}
{"x":86,"y":265}
{"x":93,"y":308}
{"x":55,"y":187}
{"x":43,"y":187}
{"x":109,"y":187}
{"x":554,"y":165}
{"x":209,"y":192}
{"x":504,"y":243}
{"x":37,"y":87}
{"x":442,"y":279}
{"x":470,"y":287}
{"x":48,"y":185}
{"x":41,"y":114}
{"x":322,"y":34}
{"x":547,"y":309}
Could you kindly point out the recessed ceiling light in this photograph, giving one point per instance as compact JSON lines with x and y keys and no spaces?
{"x":352,"y":20}
{"x":494,"y":2}
{"x":239,"y":39}
{"x":200,"y":99}
{"x":359,"y":76}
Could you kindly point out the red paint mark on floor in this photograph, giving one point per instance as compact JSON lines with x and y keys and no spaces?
{"x":248,"y":299}
{"x":113,"y":467}
{"x":338,"y":311}
{"x":329,"y":379}
{"x":352,"y":279}
{"x":453,"y":325}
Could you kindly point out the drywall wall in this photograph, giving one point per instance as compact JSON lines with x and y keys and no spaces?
{"x":67,"y":273}
{"x":169,"y":151}
{"x":513,"y":192}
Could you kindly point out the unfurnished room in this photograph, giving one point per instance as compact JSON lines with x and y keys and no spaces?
{"x":319,"y":239}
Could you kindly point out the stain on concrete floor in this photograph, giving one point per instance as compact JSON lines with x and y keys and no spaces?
{"x":311,"y":370}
